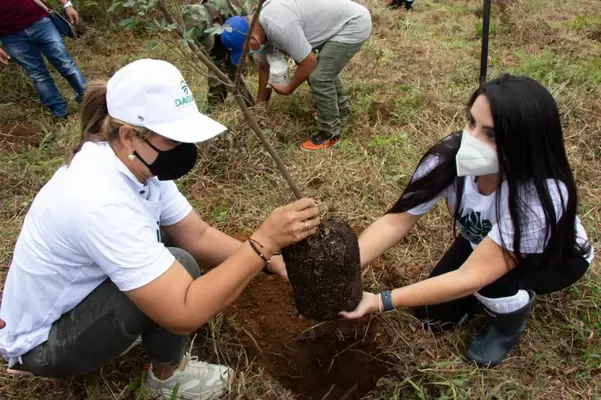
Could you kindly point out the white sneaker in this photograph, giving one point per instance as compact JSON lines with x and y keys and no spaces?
{"x":198,"y":380}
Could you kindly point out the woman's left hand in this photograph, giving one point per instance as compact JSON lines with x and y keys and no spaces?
{"x":278,"y":267}
{"x":368,"y":304}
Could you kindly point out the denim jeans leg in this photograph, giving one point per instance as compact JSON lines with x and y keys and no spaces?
{"x":54,"y":48}
{"x":23,"y":49}
{"x":100,"y":328}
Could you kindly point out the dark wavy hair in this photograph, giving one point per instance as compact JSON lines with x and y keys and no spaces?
{"x":530,"y":149}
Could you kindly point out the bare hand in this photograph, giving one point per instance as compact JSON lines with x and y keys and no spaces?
{"x":4,"y":57}
{"x":278,"y":267}
{"x":72,"y":15}
{"x":280,"y":89}
{"x":368,"y":304}
{"x":289,"y":224}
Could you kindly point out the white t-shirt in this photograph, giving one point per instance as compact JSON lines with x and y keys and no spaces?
{"x":478,"y":214}
{"x":93,"y":220}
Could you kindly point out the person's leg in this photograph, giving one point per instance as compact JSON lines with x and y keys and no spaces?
{"x":22,"y":48}
{"x":446,"y":315}
{"x":231,"y":72}
{"x":331,"y":60}
{"x":54,"y":48}
{"x":554,"y":280}
{"x":104,"y":324}
{"x":100,"y":328}
{"x":344,"y":106}
{"x":189,"y":378}
{"x":217,"y":92}
{"x":508,"y":301}
{"x":506,"y":307}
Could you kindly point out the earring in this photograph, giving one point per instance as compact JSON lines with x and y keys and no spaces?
{"x":131,"y":156}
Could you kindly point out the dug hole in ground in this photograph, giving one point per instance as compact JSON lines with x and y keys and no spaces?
{"x":318,"y":356}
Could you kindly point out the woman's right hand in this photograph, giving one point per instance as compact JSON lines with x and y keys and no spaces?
{"x":288,"y":224}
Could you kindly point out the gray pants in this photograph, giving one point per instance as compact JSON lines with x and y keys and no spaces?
{"x":329,"y":96}
{"x":100,"y":328}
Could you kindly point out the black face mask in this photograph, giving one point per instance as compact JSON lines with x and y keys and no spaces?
{"x":171,"y":164}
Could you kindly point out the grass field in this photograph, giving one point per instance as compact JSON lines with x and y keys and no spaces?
{"x":408,"y":85}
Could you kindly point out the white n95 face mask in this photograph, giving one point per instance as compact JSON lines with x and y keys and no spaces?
{"x":475,"y":157}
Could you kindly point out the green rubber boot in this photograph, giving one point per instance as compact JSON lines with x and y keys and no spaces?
{"x":501,"y":334}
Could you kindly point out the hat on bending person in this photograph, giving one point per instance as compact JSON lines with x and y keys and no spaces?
{"x":234,"y":36}
{"x":153,"y":94}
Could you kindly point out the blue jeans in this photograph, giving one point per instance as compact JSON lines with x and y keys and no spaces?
{"x":26,"y":48}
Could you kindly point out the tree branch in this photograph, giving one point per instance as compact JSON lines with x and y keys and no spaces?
{"x":247,"y":44}
{"x":250,"y":119}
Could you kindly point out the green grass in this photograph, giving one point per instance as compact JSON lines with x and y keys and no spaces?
{"x":408,"y":86}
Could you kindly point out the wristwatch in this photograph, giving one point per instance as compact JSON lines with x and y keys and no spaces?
{"x":386,"y":297}
{"x":68,"y":4}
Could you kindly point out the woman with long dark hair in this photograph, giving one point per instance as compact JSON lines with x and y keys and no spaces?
{"x":509,"y":187}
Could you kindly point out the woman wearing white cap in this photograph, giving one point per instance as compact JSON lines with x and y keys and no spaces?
{"x":90,"y":274}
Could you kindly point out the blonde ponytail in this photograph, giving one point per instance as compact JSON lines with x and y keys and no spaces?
{"x":94,"y":113}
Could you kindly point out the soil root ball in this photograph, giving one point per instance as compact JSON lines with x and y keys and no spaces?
{"x":325,"y":271}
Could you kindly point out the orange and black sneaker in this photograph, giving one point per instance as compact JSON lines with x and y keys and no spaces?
{"x":321,"y":140}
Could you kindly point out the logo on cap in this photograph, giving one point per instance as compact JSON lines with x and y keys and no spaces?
{"x":187,"y":99}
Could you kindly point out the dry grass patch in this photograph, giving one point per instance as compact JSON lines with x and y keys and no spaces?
{"x":408,"y":88}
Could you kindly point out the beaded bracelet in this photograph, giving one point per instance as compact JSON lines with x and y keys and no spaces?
{"x":253,"y":243}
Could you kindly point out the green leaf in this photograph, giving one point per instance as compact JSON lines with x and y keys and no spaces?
{"x":215,"y":30}
{"x":127,"y":23}
{"x":151,"y":45}
{"x":220,"y":214}
{"x":116,"y":5}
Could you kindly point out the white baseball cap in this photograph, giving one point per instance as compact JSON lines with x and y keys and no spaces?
{"x":154,"y":94}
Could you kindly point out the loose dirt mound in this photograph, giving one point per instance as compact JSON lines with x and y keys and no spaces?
{"x":332,"y":360}
{"x":16,"y":136}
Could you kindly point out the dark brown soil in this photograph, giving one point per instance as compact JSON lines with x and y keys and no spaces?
{"x":325,"y":271}
{"x":16,"y":136}
{"x":309,"y":358}
{"x":596,"y":35}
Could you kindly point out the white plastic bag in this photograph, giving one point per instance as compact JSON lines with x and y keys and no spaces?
{"x":279,"y":71}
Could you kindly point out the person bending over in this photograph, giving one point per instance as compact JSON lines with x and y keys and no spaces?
{"x":337,"y":28}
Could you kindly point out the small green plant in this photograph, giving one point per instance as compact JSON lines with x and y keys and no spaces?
{"x":220,"y":214}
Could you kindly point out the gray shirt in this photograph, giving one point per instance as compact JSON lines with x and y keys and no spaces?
{"x":296,"y":27}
